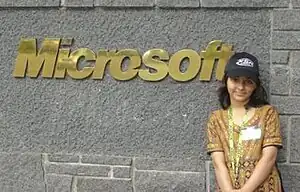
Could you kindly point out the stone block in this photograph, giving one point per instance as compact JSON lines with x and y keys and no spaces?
{"x":21,"y":172}
{"x":245,"y":3}
{"x":295,"y":143}
{"x":211,"y":184}
{"x":287,"y":104}
{"x":152,"y":181}
{"x":295,"y":59}
{"x":286,"y":40}
{"x":280,"y":80}
{"x":106,"y":160}
{"x":57,"y":183}
{"x":296,"y":3}
{"x":124,"y":3}
{"x":76,"y":169}
{"x":63,"y":158}
{"x":92,"y":185}
{"x":178,"y":3}
{"x":78,"y":3}
{"x":280,"y":57}
{"x":163,"y":164}
{"x":286,"y":19}
{"x":282,"y":153}
{"x":295,"y":81}
{"x":290,"y":175}
{"x":29,"y":3}
{"x":121,"y":172}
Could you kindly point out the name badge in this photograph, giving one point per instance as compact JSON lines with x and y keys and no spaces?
{"x":251,"y":133}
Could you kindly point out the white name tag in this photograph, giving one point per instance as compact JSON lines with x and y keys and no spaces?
{"x":251,"y":133}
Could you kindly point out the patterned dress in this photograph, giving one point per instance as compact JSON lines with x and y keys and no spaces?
{"x":266,"y":119}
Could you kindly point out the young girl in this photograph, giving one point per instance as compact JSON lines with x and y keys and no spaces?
{"x":244,"y":136}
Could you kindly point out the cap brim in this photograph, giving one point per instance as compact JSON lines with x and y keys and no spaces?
{"x":242,"y":72}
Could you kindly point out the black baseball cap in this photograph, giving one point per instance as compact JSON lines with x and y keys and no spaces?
{"x":243,"y":64}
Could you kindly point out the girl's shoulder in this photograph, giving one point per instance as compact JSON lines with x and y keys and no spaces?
{"x":268,"y":112}
{"x":218,"y":114}
{"x":267,"y":109}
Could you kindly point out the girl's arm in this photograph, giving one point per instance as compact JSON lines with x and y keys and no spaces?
{"x":272,"y":141}
{"x":221,"y":171}
{"x":262,"y":169}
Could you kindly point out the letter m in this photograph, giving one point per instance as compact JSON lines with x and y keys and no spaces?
{"x":29,"y":62}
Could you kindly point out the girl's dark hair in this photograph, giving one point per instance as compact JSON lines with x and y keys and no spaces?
{"x":257,"y":99}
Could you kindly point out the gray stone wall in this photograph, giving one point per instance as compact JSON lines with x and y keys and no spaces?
{"x":84,"y":136}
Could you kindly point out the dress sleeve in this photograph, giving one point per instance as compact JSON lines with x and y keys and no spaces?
{"x":272,"y":135}
{"x":214,"y":141}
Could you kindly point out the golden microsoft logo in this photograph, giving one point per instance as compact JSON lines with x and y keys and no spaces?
{"x":55,"y":59}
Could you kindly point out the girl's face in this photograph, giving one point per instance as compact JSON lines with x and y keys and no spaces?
{"x":240,"y":88}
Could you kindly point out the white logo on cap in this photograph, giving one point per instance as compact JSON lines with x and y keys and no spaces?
{"x":245,"y":62}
